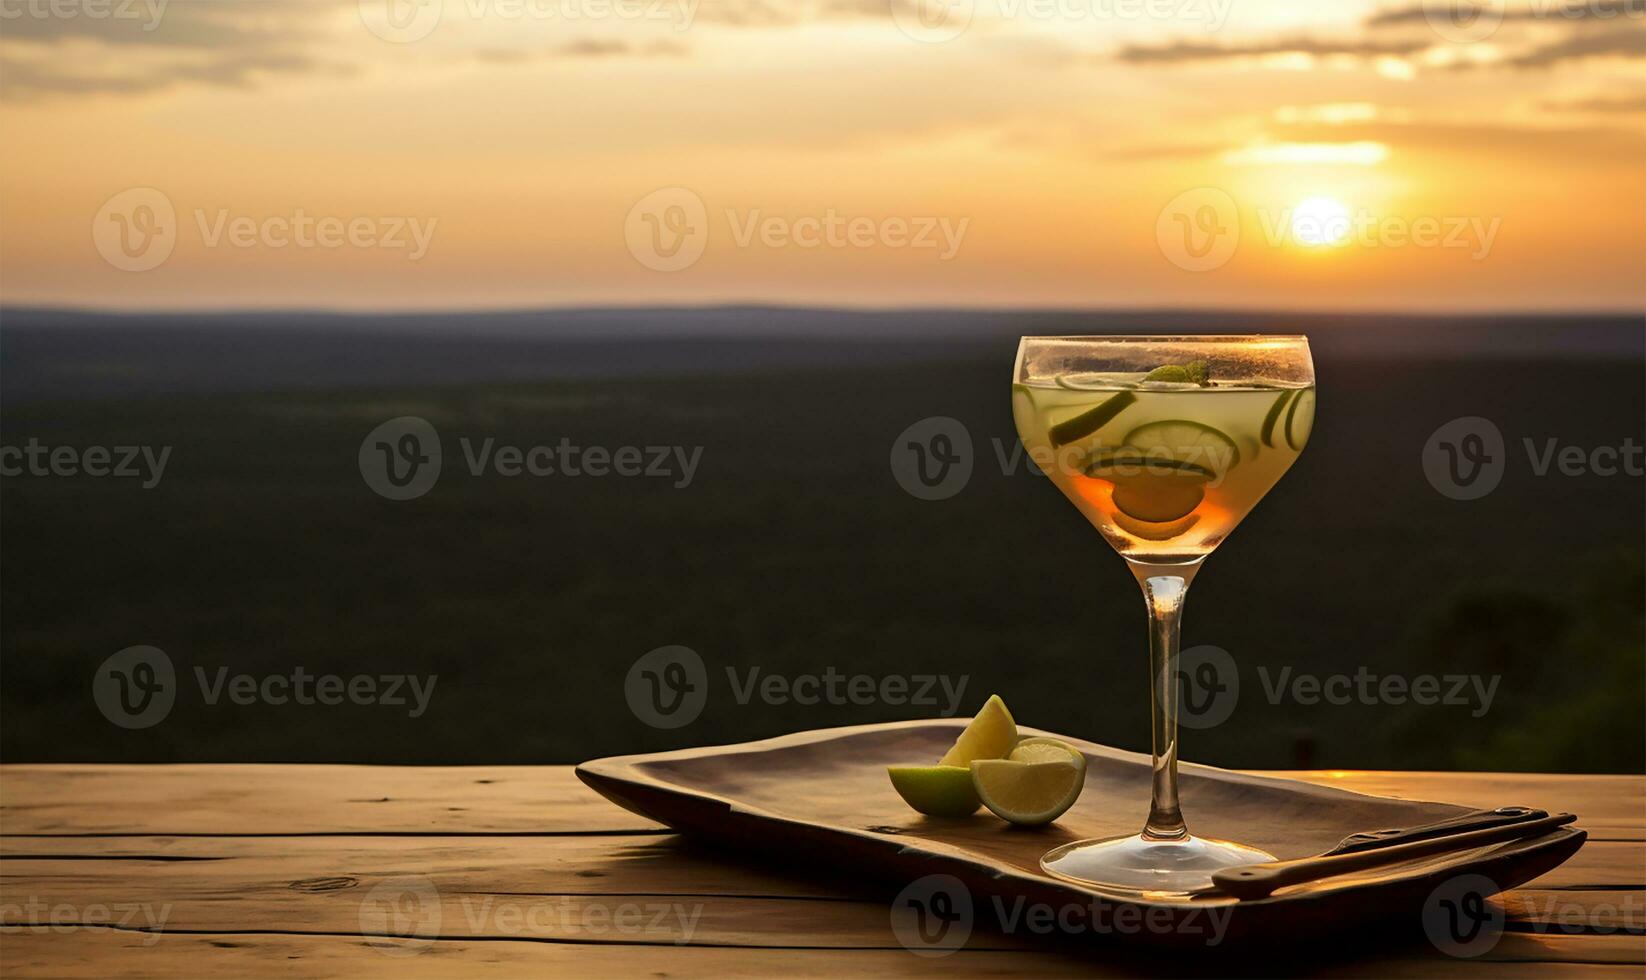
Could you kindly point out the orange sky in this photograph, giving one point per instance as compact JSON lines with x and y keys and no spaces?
{"x":484,"y":153}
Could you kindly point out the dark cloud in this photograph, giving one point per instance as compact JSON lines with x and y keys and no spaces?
{"x":582,"y":48}
{"x":1593,"y":10}
{"x":1186,"y":51}
{"x":1626,"y":44}
{"x":27,"y":80}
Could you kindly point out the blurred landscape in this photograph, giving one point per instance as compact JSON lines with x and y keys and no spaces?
{"x":793,"y":548}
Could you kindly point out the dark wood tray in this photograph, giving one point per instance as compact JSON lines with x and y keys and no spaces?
{"x":823,"y":797}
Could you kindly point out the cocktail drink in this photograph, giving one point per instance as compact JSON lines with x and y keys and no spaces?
{"x":1164,"y":444}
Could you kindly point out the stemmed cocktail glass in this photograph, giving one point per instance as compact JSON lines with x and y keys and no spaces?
{"x":1164,"y":444}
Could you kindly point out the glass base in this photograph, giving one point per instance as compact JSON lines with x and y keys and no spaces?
{"x":1140,"y":866}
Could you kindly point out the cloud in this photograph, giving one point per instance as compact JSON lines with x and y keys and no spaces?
{"x":1179,"y":52}
{"x":580,"y":49}
{"x":29,"y":80}
{"x":1629,"y":44}
{"x":1601,"y":104}
{"x":1592,"y":10}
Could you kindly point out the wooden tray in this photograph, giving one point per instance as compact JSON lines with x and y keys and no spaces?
{"x":823,"y":797}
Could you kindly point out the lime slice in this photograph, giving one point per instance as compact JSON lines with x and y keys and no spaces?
{"x":939,"y":791}
{"x":1270,"y":419}
{"x":1029,"y":793}
{"x":1187,"y":440}
{"x":1126,"y":462}
{"x":991,"y":735}
{"x":1150,"y":531}
{"x":1090,"y":421}
{"x":1044,"y":748}
{"x":1300,"y":419}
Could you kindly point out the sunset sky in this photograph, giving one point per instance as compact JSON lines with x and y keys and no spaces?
{"x":1090,"y":153}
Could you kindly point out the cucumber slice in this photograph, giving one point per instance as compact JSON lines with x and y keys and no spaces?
{"x":1186,"y":439}
{"x":1300,"y":423}
{"x":1270,"y":419}
{"x":1088,"y":422}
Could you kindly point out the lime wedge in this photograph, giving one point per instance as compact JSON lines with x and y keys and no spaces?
{"x":1030,"y":793}
{"x":1300,"y":419}
{"x":1090,"y":421}
{"x":1187,"y":440}
{"x":1044,"y":748}
{"x":1150,"y":531}
{"x":1270,"y":419}
{"x":939,"y":791}
{"x":991,"y":735}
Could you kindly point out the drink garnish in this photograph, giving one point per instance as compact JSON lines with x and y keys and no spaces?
{"x":1034,"y":785}
{"x":1090,"y":421}
{"x":1194,"y":372}
{"x":1270,"y":419}
{"x":1186,"y":438}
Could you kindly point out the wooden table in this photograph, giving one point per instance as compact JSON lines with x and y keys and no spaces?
{"x":242,"y":870}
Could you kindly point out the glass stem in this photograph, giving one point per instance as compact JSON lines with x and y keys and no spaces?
{"x":1164,"y":590}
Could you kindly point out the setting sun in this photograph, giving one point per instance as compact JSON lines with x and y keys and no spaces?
{"x":1320,"y":221}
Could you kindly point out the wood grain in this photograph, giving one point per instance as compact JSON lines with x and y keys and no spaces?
{"x":266,"y":870}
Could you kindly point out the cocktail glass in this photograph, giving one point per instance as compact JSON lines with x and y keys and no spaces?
{"x":1164,"y":444}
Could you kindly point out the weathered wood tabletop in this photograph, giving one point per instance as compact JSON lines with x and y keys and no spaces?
{"x":243,"y":870}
